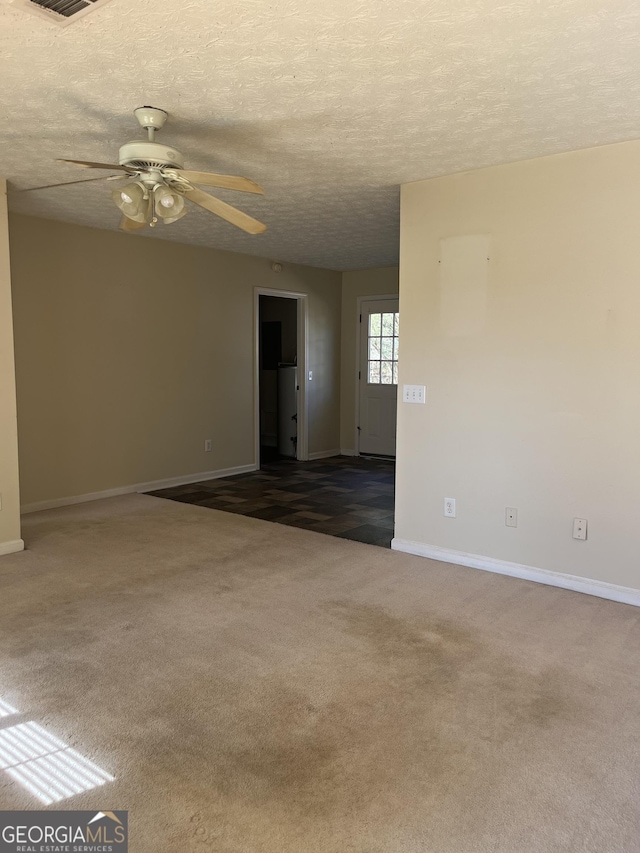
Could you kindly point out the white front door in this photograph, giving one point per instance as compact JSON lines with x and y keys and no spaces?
{"x":378,"y":376}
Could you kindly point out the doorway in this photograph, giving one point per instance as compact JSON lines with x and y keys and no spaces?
{"x":279,"y":383}
{"x":379,"y":336}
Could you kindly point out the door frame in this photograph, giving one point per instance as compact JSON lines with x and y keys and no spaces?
{"x":302,"y":445}
{"x":359,"y":302}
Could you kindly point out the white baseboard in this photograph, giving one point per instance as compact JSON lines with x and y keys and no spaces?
{"x":624,"y":594}
{"x":11,"y":547}
{"x":151,"y":486}
{"x":324,"y":454}
{"x":344,"y":452}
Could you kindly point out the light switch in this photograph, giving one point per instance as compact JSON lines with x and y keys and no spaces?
{"x":414,"y":393}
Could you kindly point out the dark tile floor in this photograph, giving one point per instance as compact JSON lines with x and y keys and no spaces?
{"x":344,"y":496}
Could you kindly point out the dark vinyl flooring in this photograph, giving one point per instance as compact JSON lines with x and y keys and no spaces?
{"x":349,"y":497}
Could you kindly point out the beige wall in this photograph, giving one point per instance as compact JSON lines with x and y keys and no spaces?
{"x":10,"y":540}
{"x":355,"y":283}
{"x":533,"y":399}
{"x":130,"y":352}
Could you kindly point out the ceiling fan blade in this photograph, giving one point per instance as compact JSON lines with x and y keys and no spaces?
{"x":226,"y":211}
{"x":127,"y":224}
{"x":228,"y":182}
{"x":87,"y":164}
{"x":69,"y":183}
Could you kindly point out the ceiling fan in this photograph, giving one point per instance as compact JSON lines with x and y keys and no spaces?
{"x":158,"y":183}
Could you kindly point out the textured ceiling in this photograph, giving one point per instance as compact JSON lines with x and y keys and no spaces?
{"x":329,"y":105}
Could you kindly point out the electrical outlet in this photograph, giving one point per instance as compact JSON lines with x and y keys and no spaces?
{"x":207,"y":445}
{"x":579,"y":528}
{"x":414,"y":393}
{"x":511,"y":516}
{"x":450,"y":507}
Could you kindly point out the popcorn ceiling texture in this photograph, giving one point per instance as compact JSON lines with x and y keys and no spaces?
{"x":330,"y":106}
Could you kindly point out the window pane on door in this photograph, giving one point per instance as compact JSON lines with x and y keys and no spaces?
{"x":386,"y":348}
{"x":387,"y":324}
{"x":382,"y":350}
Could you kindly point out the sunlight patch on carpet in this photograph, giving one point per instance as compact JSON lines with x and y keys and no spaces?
{"x":6,"y":710}
{"x":46,"y":766}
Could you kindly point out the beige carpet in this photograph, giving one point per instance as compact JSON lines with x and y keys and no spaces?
{"x":257,"y":688}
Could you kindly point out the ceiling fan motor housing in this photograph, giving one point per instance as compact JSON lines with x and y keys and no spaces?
{"x":145,"y":156}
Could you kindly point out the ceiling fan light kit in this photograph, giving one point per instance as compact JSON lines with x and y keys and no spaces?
{"x":133,"y":201}
{"x":168,"y":205}
{"x":159,"y":184}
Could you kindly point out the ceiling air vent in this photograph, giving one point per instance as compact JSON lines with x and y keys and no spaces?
{"x":61,"y":12}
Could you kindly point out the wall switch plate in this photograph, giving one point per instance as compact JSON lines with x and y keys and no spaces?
{"x":207,"y":445}
{"x":310,"y":375}
{"x":579,"y":528}
{"x":414,"y":393}
{"x":511,"y":516}
{"x":450,"y":507}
